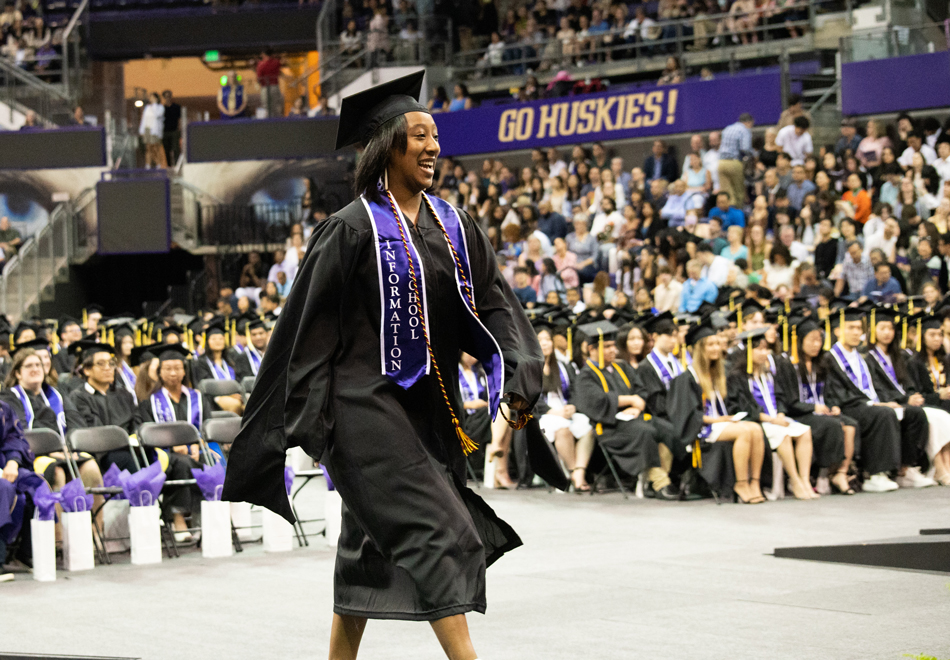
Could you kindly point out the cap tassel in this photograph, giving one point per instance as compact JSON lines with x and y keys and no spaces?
{"x":919,"y":333}
{"x":873,"y":331}
{"x":600,"y":348}
{"x":85,"y":317}
{"x":794,"y":357}
{"x":697,"y":456}
{"x":158,"y":336}
{"x":904,"y":334}
{"x":739,"y":319}
{"x":748,"y":352}
{"x":785,"y":335}
{"x":788,"y":306}
{"x":570,"y":345}
{"x":138,"y":336}
{"x":827,"y":345}
{"x":732,"y":304}
{"x":233,"y":332}
{"x":683,"y":357}
{"x":910,"y":306}
{"x":12,"y":344}
{"x":55,"y":343}
{"x":841,"y":318}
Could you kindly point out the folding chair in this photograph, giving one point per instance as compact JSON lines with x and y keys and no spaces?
{"x":612,"y":466}
{"x":48,"y":441}
{"x":165,"y":435}
{"x":214,"y":388}
{"x":98,"y":440}
{"x":307,"y":476}
{"x":248,"y":383}
{"x":223,"y":431}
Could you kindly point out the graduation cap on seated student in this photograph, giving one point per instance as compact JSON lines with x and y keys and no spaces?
{"x":661,"y":323}
{"x":701,"y":330}
{"x":167,"y":352}
{"x":750,"y":339}
{"x":38,"y":344}
{"x":602,"y":332}
{"x":85,"y":349}
{"x":143,"y":354}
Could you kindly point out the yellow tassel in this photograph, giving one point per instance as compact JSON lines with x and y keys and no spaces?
{"x":600,"y":348}
{"x":683,"y":357}
{"x":676,"y":348}
{"x":785,"y":334}
{"x":739,"y":319}
{"x":788,"y":306}
{"x":247,"y":335}
{"x":570,"y":344}
{"x":112,"y":338}
{"x":910,"y":306}
{"x":732,"y":304}
{"x":919,"y":333}
{"x":827,"y":345}
{"x":873,"y":331}
{"x":748,"y":350}
{"x":697,"y":457}
{"x":12,"y":344}
{"x":794,"y":345}
{"x":85,"y":317}
{"x":468,"y":445}
{"x":138,"y":336}
{"x":841,"y":319}
{"x":599,"y":428}
{"x":233,"y":332}
{"x":904,"y":334}
{"x":158,"y":336}
{"x":55,"y":343}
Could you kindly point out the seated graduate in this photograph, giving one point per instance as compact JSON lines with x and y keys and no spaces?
{"x":17,"y":480}
{"x":926,"y":376}
{"x":172,"y":400}
{"x":848,"y":386}
{"x":802,"y":383}
{"x":31,"y":393}
{"x":632,"y":345}
{"x":99,"y":401}
{"x":257,"y":335}
{"x":701,"y":422}
{"x":606,"y":395}
{"x":124,"y":345}
{"x":752,"y":390}
{"x":570,"y":431}
{"x":832,"y":436}
{"x":69,"y":331}
{"x":215,"y":364}
{"x":473,"y":385}
{"x":661,"y":366}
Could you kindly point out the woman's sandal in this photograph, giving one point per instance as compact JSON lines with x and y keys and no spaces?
{"x":579,"y":489}
{"x":849,"y":491}
{"x":758,"y":499}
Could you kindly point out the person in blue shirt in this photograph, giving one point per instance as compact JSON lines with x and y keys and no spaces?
{"x":550,"y":223}
{"x":882,"y":288}
{"x":697,"y":289}
{"x":523,"y":289}
{"x":727,"y":214}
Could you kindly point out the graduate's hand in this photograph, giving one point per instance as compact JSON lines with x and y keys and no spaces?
{"x":10,"y":471}
{"x":194,"y":452}
{"x":916,"y":399}
{"x":515,"y":402}
{"x":835,"y":410}
{"x":945,"y":393}
{"x":822,"y":409}
{"x":569,"y":411}
{"x":180,"y":449}
{"x":633,"y":412}
{"x":780,"y":420}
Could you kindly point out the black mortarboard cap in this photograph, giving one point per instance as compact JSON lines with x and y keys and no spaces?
{"x":142,"y":354}
{"x":87,"y":347}
{"x":216,"y":328}
{"x":662,"y":322}
{"x":38,"y":344}
{"x":593,"y":331}
{"x":255,"y":323}
{"x":361,"y":114}
{"x":929,"y":321}
{"x":26,"y":325}
{"x":65,"y":321}
{"x":94,"y":308}
{"x":171,"y":352}
{"x":806,"y":324}
{"x":752,"y":334}
{"x":849,"y":313}
{"x":706,"y":308}
{"x":700,"y":331}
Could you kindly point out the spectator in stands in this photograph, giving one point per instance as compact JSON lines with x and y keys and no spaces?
{"x":550,"y":222}
{"x":322,"y":109}
{"x":660,"y":164}
{"x":794,"y":110}
{"x":672,"y":73}
{"x":849,"y":140}
{"x":799,"y":188}
{"x":10,"y":238}
{"x":856,"y":271}
{"x":915,"y":144}
{"x":268,"y":71}
{"x":298,"y":109}
{"x":232,"y":101}
{"x":871,"y":147}
{"x":859,"y":199}
{"x":79,"y":117}
{"x":795,"y":140}
{"x":171,"y":130}
{"x":10,"y":16}
{"x":351,"y":41}
{"x":460,"y":99}
{"x":736,"y":147}
{"x":726,"y":212}
{"x":151,"y":128}
{"x":696,"y":289}
{"x":735,"y":249}
{"x":882,"y":288}
{"x":439,"y":101}
{"x":30,"y":122}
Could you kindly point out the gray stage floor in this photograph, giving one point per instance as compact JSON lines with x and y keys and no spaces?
{"x":598,"y":577}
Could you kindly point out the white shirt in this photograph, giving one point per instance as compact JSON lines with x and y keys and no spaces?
{"x":907,"y":158}
{"x":272,"y":273}
{"x":557,"y":168}
{"x":796,"y":146}
{"x":711,"y":163}
{"x":601,"y":220}
{"x":873,"y":226}
{"x":644,"y":28}
{"x":943,"y":169}
{"x":877,"y":240}
{"x":718,"y":271}
{"x":800,"y":251}
{"x":153,"y":119}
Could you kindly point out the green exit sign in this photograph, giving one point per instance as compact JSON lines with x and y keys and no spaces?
{"x":212,"y":56}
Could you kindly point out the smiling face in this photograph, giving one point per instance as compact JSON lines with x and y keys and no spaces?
{"x":415,"y":169}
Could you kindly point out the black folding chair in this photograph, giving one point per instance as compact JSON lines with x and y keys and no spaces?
{"x":165,"y":435}
{"x":47,"y":441}
{"x":215,"y":388}
{"x":248,"y":383}
{"x":307,"y":476}
{"x":98,"y":440}
{"x":612,"y":466}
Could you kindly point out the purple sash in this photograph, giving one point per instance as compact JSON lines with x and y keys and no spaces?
{"x":810,"y":391}
{"x":565,"y":381}
{"x":763,"y":390}
{"x":225,"y":373}
{"x":128,"y":379}
{"x":253,"y":358}
{"x":164,"y":411}
{"x":660,"y":365}
{"x":887,"y":366}
{"x":51,"y":398}
{"x":864,"y":384}
{"x":467,"y":393}
{"x":404,"y":356}
{"x":714,"y":408}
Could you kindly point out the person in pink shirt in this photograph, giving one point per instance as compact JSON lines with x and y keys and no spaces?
{"x":566,"y":262}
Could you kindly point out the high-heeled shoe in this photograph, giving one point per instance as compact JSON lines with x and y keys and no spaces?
{"x":837,"y":488}
{"x":579,"y":489}
{"x":758,"y":499}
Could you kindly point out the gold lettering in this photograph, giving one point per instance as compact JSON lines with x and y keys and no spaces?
{"x":506,"y":126}
{"x":563,"y":128}
{"x":585,"y":116}
{"x":549,"y":112}
{"x":632,"y":118}
{"x":603,"y":121}
{"x":524,"y":124}
{"x":654,"y":106}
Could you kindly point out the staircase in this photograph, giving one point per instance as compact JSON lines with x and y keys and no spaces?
{"x":28,"y":279}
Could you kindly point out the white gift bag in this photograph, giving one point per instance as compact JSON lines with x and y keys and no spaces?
{"x":278,"y":533}
{"x":145,"y":534}
{"x":43,"y":534}
{"x":241,"y":518}
{"x":115,"y":522}
{"x":489,"y":480}
{"x":216,"y":529}
{"x":77,"y":540}
{"x":333,"y":515}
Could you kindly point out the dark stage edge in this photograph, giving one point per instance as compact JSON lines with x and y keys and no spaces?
{"x":928,"y":552}
{"x":33,"y":656}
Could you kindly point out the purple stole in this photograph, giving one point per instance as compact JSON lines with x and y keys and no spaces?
{"x":404,"y":317}
{"x":714,"y":408}
{"x":164,"y":411}
{"x":763,"y":390}
{"x":887,"y":366}
{"x":222,"y":373}
{"x":810,"y":390}
{"x":51,"y":398}
{"x":467,"y":393}
{"x":660,"y":365}
{"x":565,"y":381}
{"x":253,"y":358}
{"x":863,"y":382}
{"x":128,"y":379}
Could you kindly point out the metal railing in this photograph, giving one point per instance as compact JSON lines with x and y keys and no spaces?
{"x":243,"y":224}
{"x":28,"y":277}
{"x":24,"y":91}
{"x":896,"y":41}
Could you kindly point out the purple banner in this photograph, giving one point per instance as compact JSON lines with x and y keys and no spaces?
{"x":913,"y":82}
{"x":699,"y":105}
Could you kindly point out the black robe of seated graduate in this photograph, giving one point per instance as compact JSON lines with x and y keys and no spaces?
{"x":881,"y":431}
{"x":631,"y":443}
{"x":415,"y":541}
{"x":913,"y":447}
{"x":114,"y":408}
{"x":826,"y":430}
{"x":685,"y":407}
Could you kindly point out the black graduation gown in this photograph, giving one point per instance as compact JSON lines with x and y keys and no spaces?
{"x":114,"y":408}
{"x":415,"y":541}
{"x":826,"y":430}
{"x":881,"y":431}
{"x":63,"y":362}
{"x":242,"y":365}
{"x":477,"y":423}
{"x":662,"y":426}
{"x":652,"y":389}
{"x":920,"y":379}
{"x":913,"y":447}
{"x":685,"y":407}
{"x":632,"y":443}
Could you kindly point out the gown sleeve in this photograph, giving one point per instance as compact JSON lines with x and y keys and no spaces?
{"x":286,"y":405}
{"x":13,"y":446}
{"x":786,"y":383}
{"x":84,"y":408}
{"x":652,"y":391}
{"x":74,"y":420}
{"x":200,"y":371}
{"x":839,"y":391}
{"x":501,"y":313}
{"x":920,"y":377}
{"x":685,"y":405}
{"x":740,"y":399}
{"x":590,"y":399}
{"x":882,"y":384}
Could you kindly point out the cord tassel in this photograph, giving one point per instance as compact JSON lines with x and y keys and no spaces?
{"x":827,"y":345}
{"x":904,"y":334}
{"x":748,"y":352}
{"x":697,"y":456}
{"x":873,"y":331}
{"x":794,"y":345}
